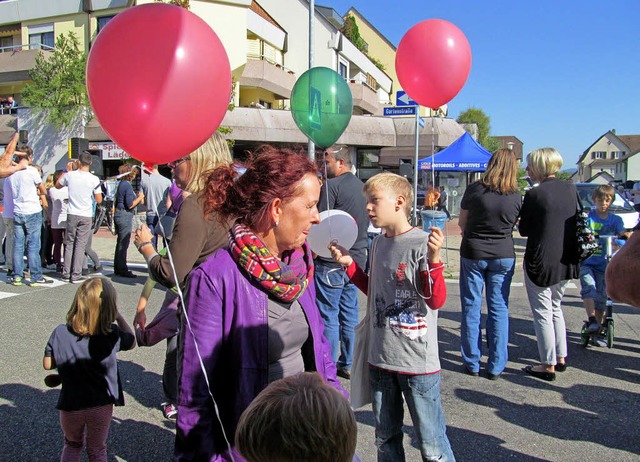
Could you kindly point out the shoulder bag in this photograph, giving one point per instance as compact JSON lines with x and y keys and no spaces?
{"x":586,"y":240}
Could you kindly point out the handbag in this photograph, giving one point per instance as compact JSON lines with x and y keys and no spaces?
{"x":586,"y":240}
{"x":360,"y":394}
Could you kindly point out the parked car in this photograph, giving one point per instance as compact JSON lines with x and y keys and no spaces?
{"x":620,"y":206}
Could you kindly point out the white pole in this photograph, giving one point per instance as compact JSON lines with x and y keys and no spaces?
{"x":312,"y":10}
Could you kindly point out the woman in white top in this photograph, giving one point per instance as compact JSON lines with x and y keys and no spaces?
{"x":59,"y":201}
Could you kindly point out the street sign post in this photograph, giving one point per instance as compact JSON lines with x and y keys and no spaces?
{"x":402,"y":99}
{"x":399,"y":111}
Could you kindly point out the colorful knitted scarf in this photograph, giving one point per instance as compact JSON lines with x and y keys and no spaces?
{"x":285,"y":279}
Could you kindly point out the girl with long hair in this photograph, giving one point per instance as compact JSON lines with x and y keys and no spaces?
{"x":84,"y":352}
{"x":488,"y":212}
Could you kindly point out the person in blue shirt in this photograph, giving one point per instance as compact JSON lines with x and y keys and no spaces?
{"x":603,"y":223}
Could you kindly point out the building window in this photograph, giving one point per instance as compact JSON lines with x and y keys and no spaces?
{"x":41,"y":37}
{"x":599,"y":155}
{"x":342,"y":70}
{"x":259,"y":49}
{"x":103,"y":20}
{"x":368,"y":158}
{"x":6,"y":44}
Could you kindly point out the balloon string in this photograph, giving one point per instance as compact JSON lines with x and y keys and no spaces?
{"x":433,"y":154}
{"x":186,"y":317}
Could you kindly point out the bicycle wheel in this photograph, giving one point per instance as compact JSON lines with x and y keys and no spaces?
{"x":610,"y":331}
{"x":97,"y":222}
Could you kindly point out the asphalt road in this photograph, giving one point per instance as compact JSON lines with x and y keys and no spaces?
{"x":589,"y":413}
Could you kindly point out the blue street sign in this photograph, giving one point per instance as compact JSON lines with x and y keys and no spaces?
{"x":399,"y":111}
{"x":402,"y":99}
{"x":421,"y":122}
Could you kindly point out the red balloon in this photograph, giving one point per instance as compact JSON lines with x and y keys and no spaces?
{"x":159,"y":81}
{"x":433,"y":62}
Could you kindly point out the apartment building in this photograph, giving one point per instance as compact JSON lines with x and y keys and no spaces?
{"x":267,"y":42}
{"x":615,"y":155}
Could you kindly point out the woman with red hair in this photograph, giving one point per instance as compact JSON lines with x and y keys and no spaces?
{"x":251,"y":316}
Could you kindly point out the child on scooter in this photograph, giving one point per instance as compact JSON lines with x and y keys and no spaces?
{"x":603,"y":223}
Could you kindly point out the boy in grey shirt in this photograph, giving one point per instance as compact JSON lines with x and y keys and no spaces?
{"x":405,"y":287}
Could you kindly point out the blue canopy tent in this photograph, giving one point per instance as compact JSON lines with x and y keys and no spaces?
{"x":454,"y":168}
{"x":463,"y":155}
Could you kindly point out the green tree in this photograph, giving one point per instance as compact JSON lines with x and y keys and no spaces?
{"x":478,"y":117}
{"x":181,"y":3}
{"x":522,"y":182}
{"x":351,"y":31}
{"x":58,"y":85}
{"x":564,"y":174}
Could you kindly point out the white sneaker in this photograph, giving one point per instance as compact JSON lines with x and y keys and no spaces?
{"x":601,"y":342}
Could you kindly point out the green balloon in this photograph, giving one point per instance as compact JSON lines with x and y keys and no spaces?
{"x":321,"y":105}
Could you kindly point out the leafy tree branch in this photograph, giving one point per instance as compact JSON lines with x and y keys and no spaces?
{"x":58,"y":82}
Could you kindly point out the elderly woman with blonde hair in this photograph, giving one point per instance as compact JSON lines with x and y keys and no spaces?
{"x":195,"y":236}
{"x":548,"y":220}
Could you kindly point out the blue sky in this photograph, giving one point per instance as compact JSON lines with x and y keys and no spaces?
{"x":554,"y":74}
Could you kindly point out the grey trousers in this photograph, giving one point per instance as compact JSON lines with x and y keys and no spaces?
{"x":548,"y":319}
{"x":75,"y":241}
{"x":90,"y":253}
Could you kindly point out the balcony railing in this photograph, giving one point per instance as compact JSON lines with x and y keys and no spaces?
{"x":10,"y":110}
{"x":28,"y":46}
{"x":269,"y":60}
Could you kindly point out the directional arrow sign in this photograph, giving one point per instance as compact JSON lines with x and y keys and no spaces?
{"x":402,"y":99}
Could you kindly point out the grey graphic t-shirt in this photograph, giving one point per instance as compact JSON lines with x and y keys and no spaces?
{"x":403,"y":335}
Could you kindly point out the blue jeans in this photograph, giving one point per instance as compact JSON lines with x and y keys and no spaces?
{"x":496,"y":275}
{"x":27,"y":227}
{"x":422,"y":395}
{"x":593,"y":286}
{"x":337,"y":300}
{"x":124,"y":225}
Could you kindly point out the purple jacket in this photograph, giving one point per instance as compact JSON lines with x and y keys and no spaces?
{"x":228,"y":318}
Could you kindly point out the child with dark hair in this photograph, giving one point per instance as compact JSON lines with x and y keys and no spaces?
{"x":84,"y":352}
{"x":298,"y":418}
